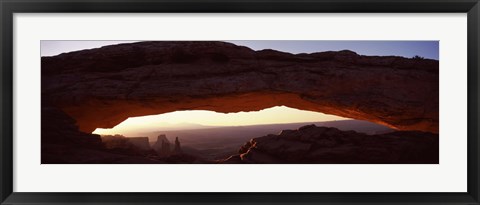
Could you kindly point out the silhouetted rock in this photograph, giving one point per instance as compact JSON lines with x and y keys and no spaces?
{"x":59,"y":135}
{"x":158,"y":143}
{"x":165,"y":151}
{"x":63,"y":143}
{"x":59,"y":128}
{"x":116,"y":141}
{"x":162,"y":145}
{"x":177,"y":148}
{"x":135,"y":146}
{"x":162,"y":137}
{"x":99,"y":88}
{"x":311,"y":144}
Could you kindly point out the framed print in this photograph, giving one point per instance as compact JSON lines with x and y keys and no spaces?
{"x":236,"y":102}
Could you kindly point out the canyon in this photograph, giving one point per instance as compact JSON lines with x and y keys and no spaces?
{"x":100,"y":88}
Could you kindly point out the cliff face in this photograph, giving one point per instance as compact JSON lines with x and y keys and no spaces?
{"x":100,"y":88}
{"x":322,"y":145}
{"x":162,"y":145}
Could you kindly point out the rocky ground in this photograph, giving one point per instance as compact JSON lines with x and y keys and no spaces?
{"x":323,"y":145}
{"x":308,"y":144}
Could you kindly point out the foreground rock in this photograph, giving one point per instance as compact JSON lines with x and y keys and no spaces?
{"x":59,"y":128}
{"x":99,"y":88}
{"x":311,"y":144}
{"x":63,"y":143}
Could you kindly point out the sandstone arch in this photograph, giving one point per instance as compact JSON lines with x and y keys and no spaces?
{"x":100,"y":88}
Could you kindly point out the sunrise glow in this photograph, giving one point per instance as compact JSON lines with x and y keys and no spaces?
{"x":195,"y":119}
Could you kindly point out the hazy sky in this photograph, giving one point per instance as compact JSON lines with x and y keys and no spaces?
{"x":279,"y":114}
{"x":183,"y":119}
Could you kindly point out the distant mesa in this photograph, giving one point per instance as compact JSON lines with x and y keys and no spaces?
{"x":160,"y":138}
{"x":122,"y":142}
{"x":115,"y":141}
{"x":140,"y":142}
{"x":164,"y":148}
{"x":162,"y":145}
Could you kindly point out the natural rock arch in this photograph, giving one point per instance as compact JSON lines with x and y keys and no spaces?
{"x":100,"y":88}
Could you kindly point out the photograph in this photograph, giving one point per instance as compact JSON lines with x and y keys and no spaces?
{"x":239,"y":102}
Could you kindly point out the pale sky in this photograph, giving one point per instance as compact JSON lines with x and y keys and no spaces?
{"x":279,"y":114}
{"x":184,"y":119}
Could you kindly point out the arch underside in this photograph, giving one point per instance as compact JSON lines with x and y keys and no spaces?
{"x":107,"y":114}
{"x":398,"y":92}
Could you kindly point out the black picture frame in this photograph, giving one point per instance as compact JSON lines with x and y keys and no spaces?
{"x":10,"y":7}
